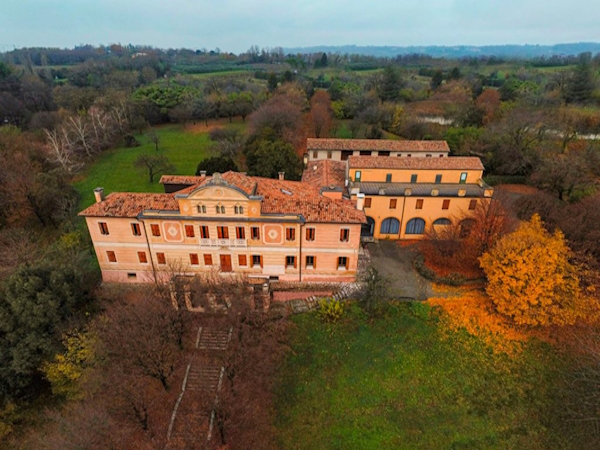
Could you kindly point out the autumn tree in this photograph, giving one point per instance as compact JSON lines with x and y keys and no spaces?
{"x":531,"y":279}
{"x":321,"y":114}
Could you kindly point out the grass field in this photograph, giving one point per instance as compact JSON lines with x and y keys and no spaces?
{"x":115,"y":172}
{"x":401,"y":381}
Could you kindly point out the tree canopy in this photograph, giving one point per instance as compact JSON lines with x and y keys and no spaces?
{"x":531,"y":279}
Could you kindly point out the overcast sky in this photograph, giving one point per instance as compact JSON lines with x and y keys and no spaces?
{"x":235,"y":25}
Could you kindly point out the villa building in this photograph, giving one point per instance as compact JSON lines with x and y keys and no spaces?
{"x":404,"y":197}
{"x":287,"y":230}
{"x":341,"y":149}
{"x":226,"y":224}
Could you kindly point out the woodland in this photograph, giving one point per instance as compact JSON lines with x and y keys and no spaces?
{"x":70,"y":117}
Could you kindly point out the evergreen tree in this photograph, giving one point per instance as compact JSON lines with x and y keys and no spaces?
{"x":581,"y":85}
{"x":390,"y":84}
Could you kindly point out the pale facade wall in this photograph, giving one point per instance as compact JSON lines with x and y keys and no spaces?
{"x":273,"y":247}
{"x":423,"y":176}
{"x":336,"y":155}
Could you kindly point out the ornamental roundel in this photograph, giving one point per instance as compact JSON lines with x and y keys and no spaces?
{"x":185,"y":207}
{"x":273,"y":234}
{"x":173,"y":232}
{"x":219,"y":192}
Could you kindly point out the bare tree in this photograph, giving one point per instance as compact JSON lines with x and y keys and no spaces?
{"x":153,"y":165}
{"x":154,"y":137}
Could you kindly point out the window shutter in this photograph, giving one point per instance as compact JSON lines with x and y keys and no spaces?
{"x":295,"y":262}
{"x":261,"y":261}
{"x":347,"y":262}
{"x":314,"y":262}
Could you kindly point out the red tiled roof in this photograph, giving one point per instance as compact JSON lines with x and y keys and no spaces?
{"x":325,"y":172}
{"x":128,"y":204}
{"x":377,"y":144}
{"x":386,"y":162}
{"x":181,"y":179}
{"x":279,"y":197}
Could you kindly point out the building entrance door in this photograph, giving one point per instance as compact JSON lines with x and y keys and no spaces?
{"x":226,"y":263}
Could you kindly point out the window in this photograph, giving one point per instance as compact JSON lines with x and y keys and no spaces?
{"x":435,"y":192}
{"x":290,"y":234}
{"x":240,"y":232}
{"x":311,"y":262}
{"x":462,"y":192}
{"x":207,"y":260}
{"x":131,"y":275}
{"x":409,"y":155}
{"x":393,"y":203}
{"x":446,"y":204}
{"x":465,"y":228}
{"x":223,"y":232}
{"x":388,"y":178}
{"x":441,"y":155}
{"x":315,"y":154}
{"x":344,"y":235}
{"x":419,"y":204}
{"x":204,"y":234}
{"x":438,"y":179}
{"x":220,"y":209}
{"x":112,"y":257}
{"x":310,"y":234}
{"x":415,"y":226}
{"x":368,"y":202}
{"x":155,"y":229}
{"x":160,"y":257}
{"x":255,"y":233}
{"x":142,"y":257}
{"x":386,"y":153}
{"x":442,"y":221}
{"x":103,"y":227}
{"x":135,"y":229}
{"x":238,"y":209}
{"x":201,"y":209}
{"x":242,"y":260}
{"x":463,"y":177}
{"x":365,"y":153}
{"x":189,"y":231}
{"x":391,"y":225}
{"x":413,"y":178}
{"x":256,"y":261}
{"x":357,"y":175}
{"x":342,"y":263}
{"x":428,"y":156}
{"x":290,"y":262}
{"x":329,"y":155}
{"x":194,"y":259}
{"x":472,"y":204}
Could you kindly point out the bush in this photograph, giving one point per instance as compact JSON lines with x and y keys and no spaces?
{"x":331,"y":310}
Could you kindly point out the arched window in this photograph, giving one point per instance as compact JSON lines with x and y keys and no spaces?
{"x":415,"y":226}
{"x":465,"y":228}
{"x":391,"y":225}
{"x":368,"y":228}
{"x":222,"y":210}
{"x":442,"y":221}
{"x":241,"y":209}
{"x":201,"y":209}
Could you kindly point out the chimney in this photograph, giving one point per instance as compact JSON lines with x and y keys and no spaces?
{"x":203,"y":173}
{"x":282,"y":175}
{"x":360,"y":201}
{"x":99,"y":194}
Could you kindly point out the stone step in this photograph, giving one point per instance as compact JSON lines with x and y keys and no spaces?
{"x":214,"y":338}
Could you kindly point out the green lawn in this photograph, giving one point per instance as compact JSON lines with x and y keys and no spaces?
{"x":395,"y":383}
{"x":115,"y":172}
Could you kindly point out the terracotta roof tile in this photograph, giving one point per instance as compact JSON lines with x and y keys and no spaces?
{"x":181,"y":179}
{"x":128,"y":204}
{"x":325,"y":172}
{"x":386,"y":162}
{"x":279,"y":197}
{"x":377,"y":144}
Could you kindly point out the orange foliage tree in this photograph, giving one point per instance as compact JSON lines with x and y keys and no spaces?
{"x":531,"y":279}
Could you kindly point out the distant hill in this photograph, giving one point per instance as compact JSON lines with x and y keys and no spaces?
{"x":457,"y":51}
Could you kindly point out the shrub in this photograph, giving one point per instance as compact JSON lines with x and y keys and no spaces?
{"x":331,"y":310}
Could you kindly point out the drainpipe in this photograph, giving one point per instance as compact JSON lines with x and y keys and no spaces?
{"x":149,"y":251}
{"x":401,"y":217}
{"x":300,"y":255}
